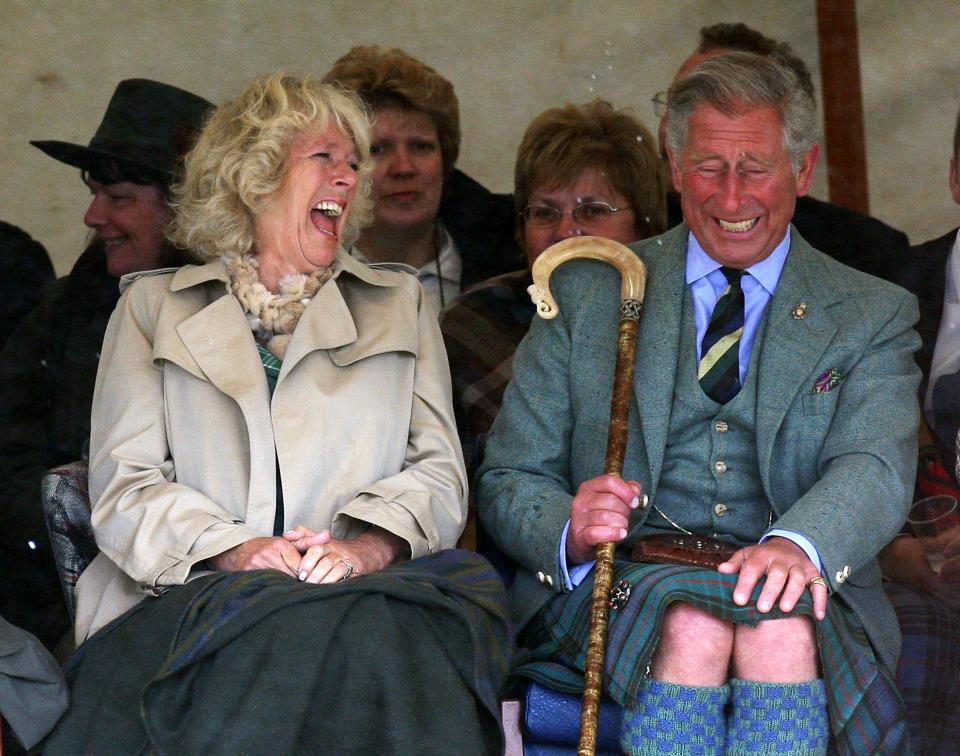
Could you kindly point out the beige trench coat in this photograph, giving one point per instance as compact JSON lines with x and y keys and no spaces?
{"x":185,"y":437}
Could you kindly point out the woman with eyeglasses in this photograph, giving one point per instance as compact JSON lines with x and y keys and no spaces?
{"x":582,"y":170}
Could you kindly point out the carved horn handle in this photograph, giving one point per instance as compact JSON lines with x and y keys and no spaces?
{"x":633,"y":283}
{"x":633,"y":273}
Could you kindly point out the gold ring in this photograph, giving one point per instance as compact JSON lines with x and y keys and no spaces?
{"x":817,"y":580}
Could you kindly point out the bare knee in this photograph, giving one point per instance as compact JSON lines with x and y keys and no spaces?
{"x":695,"y":647}
{"x":778,"y":651}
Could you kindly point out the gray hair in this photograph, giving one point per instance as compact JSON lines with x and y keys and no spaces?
{"x":740,"y":81}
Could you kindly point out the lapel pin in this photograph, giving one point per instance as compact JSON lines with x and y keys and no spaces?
{"x":800,"y":311}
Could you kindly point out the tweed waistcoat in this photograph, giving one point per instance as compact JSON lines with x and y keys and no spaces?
{"x":710,"y":481}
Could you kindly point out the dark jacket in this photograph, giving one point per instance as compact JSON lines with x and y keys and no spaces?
{"x":47,"y":373}
{"x":926,"y":277}
{"x":482,"y":225}
{"x":849,"y":237}
{"x":25,"y":270}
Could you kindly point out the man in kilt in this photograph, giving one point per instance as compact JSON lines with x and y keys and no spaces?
{"x":774,"y":408}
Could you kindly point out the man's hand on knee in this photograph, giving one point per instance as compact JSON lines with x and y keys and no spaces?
{"x":788,"y":573}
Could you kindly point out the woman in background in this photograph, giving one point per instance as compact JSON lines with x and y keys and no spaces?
{"x":427,"y":214}
{"x":581,"y":170}
{"x":276,"y":476}
{"x":50,"y":362}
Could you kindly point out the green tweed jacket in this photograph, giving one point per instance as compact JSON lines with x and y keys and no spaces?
{"x":837,"y":466}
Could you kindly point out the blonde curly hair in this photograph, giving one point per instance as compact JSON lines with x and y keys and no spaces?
{"x":240,"y":160}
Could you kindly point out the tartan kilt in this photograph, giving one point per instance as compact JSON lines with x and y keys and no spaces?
{"x":865,"y":710}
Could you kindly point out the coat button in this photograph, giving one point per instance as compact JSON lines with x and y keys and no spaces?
{"x":644,"y":502}
{"x":842,"y":575}
{"x":721,"y":426}
{"x":549,"y":579}
{"x":720,"y":466}
{"x":720,"y":509}
{"x":540,"y":576}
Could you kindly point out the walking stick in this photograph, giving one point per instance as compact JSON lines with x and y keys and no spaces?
{"x":633,"y":282}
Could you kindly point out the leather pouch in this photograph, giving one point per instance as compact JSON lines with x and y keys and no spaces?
{"x":680,"y":548}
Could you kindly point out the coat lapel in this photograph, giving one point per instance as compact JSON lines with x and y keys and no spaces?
{"x":220,"y":341}
{"x":326,"y":323}
{"x":658,"y":342}
{"x":791,"y":345}
{"x":214,"y":342}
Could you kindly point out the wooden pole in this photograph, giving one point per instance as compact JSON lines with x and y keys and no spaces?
{"x":842,"y":104}
{"x":633,"y":282}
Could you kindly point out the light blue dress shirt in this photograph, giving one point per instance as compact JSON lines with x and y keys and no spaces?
{"x":707,"y":284}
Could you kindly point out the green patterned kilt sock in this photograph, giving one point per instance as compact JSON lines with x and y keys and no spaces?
{"x":778,"y":718}
{"x":675,"y":719}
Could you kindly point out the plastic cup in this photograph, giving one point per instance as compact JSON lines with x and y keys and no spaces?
{"x":930,"y":517}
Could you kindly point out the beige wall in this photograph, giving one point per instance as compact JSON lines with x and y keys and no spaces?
{"x":508,"y":60}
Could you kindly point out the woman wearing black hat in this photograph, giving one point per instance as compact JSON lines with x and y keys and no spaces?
{"x":49,"y":364}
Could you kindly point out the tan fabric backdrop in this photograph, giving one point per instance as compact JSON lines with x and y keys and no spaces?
{"x":508,"y":59}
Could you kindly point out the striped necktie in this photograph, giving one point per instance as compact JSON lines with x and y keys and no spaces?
{"x":719,"y":371}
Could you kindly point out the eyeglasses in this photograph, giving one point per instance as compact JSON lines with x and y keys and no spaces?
{"x":585,"y":215}
{"x":659,"y":101}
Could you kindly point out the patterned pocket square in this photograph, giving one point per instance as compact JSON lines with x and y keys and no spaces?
{"x":828,"y":381}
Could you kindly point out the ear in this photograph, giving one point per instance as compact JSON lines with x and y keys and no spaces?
{"x":807,"y":166}
{"x":676,"y":175}
{"x":954,"y":180}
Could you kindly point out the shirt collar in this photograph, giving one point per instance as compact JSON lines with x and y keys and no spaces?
{"x":448,"y":257}
{"x":767,"y":271}
{"x":447,"y":254}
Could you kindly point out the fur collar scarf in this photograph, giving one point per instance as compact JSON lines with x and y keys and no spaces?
{"x":273,"y":317}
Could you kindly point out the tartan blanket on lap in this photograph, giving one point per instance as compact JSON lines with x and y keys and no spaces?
{"x":865,"y":710}
{"x":256,"y":662}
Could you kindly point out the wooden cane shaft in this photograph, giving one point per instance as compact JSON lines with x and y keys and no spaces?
{"x":603,"y":571}
{"x":633,"y":281}
{"x":596,"y":649}
{"x":622,"y":392}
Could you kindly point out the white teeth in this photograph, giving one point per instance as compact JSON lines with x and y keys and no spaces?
{"x":329,"y":208}
{"x":114,"y":242}
{"x":738,"y":226}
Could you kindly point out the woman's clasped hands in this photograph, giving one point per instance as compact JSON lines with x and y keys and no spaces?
{"x":314,"y":556}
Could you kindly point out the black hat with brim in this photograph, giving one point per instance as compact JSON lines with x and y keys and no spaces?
{"x":147,"y":124}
